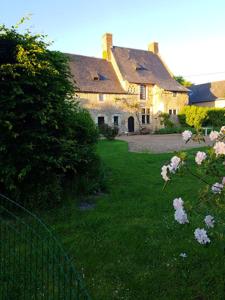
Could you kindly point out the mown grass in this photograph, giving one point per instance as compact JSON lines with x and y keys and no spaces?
{"x":129,"y":246}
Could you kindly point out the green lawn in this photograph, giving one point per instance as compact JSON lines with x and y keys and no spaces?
{"x":128,"y":247}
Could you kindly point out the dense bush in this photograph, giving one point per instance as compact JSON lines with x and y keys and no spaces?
{"x":216,"y":117}
{"x":45,"y":137}
{"x":165,"y":120}
{"x":198,"y":116}
{"x":194,"y":115}
{"x":182,"y":119}
{"x":108,"y":132}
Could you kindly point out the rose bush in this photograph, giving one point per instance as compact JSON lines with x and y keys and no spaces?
{"x":209,"y":168}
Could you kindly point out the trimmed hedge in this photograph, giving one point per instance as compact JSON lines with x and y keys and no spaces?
{"x":197,"y":116}
{"x":174,"y":130}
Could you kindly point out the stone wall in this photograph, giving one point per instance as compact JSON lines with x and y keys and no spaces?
{"x":157,"y":101}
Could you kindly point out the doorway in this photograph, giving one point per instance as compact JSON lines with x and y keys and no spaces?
{"x":131,"y":124}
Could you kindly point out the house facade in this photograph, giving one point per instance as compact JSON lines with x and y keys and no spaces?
{"x":128,"y":87}
{"x":211,"y":94}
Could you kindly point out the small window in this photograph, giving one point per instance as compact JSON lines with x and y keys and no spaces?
{"x":142,"y":92}
{"x":143,"y":111}
{"x":148,"y":119}
{"x":143,"y":119}
{"x":101,"y":121}
{"x":172,"y":112}
{"x":174,"y":94}
{"x":101,"y":97}
{"x":116,"y":120}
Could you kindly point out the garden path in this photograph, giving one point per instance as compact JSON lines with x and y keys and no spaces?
{"x":159,"y":143}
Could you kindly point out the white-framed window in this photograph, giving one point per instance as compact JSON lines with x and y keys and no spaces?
{"x":172,"y":112}
{"x":142,"y":92}
{"x":145,"y":116}
{"x":101,"y":97}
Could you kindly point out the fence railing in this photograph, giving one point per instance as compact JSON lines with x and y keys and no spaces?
{"x":33,"y":264}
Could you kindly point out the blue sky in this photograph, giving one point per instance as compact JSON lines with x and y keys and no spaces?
{"x":190,"y":33}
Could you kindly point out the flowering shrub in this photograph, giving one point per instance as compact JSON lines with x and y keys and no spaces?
{"x":209,"y":169}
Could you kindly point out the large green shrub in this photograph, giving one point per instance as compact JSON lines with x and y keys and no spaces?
{"x":182,"y":119}
{"x":197,"y":116}
{"x":216,"y":117}
{"x":109,"y":132}
{"x":45,"y":137}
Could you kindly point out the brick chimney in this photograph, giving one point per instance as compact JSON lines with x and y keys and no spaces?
{"x":153,"y":47}
{"x":106,"y":46}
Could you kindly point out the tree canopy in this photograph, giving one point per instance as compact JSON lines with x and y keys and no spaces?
{"x":183,"y":81}
{"x":45,"y":137}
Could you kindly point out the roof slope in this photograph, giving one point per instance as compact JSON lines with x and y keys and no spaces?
{"x":86,"y":69}
{"x":207,"y":92}
{"x":144,"y":67}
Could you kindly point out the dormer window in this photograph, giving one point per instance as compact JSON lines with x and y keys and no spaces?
{"x":140,"y":67}
{"x":142,"y":92}
{"x":137,"y":66}
{"x":97,"y":76}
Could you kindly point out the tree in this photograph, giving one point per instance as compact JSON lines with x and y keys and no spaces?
{"x":183,"y":81}
{"x":45,"y":137}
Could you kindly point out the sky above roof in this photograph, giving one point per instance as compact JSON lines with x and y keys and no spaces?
{"x":190,"y":33}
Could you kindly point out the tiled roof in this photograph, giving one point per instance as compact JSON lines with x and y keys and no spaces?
{"x":207,"y":92}
{"x":144,"y":67}
{"x":94,"y":75}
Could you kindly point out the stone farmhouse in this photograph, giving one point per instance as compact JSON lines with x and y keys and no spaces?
{"x":128,"y":88}
{"x":211,"y":94}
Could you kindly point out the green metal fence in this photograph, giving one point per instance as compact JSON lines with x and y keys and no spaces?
{"x":33,"y":264}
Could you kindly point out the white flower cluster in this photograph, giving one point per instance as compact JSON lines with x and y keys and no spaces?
{"x":201,"y":236}
{"x":219,"y":148}
{"x":184,"y":255}
{"x":214,"y":135}
{"x":209,"y":221}
{"x":175,"y":163}
{"x":187,"y":134}
{"x":218,"y":187}
{"x":164,"y":171}
{"x":181,"y":217}
{"x":180,"y":214}
{"x":200,"y":157}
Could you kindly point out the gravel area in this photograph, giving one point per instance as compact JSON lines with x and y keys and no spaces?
{"x":159,"y":143}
